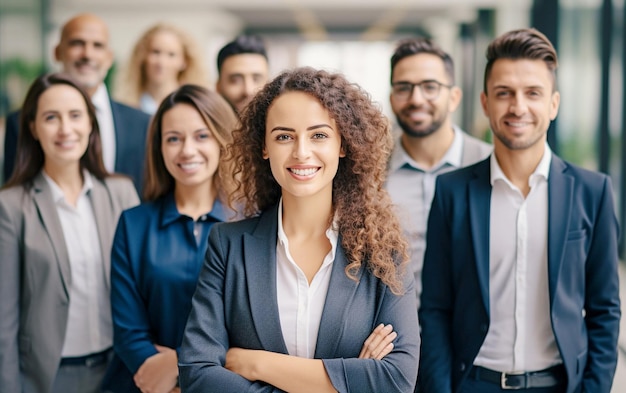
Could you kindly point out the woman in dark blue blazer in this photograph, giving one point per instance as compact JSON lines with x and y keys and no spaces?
{"x":287,"y":298}
{"x":159,"y":246}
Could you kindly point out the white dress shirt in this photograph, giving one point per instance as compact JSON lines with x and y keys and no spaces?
{"x":102,"y":102}
{"x":412,"y":188}
{"x":300,"y":305}
{"x":520,"y":336}
{"x":89,"y":325}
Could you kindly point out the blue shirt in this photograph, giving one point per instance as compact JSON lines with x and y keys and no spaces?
{"x":155,"y":263}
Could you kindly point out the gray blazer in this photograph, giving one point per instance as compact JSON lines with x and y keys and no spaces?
{"x":235,"y":305}
{"x":35,"y":277}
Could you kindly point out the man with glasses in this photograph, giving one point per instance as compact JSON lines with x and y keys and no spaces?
{"x":423,"y":98}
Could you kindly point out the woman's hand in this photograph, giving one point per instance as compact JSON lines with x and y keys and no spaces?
{"x":159,"y":373}
{"x":379,"y":344}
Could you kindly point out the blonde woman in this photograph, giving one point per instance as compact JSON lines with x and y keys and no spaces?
{"x":163,"y":59}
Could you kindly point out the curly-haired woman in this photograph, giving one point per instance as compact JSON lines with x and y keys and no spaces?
{"x":295,"y":298}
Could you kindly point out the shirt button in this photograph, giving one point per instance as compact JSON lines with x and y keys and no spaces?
{"x":203,"y":218}
{"x":462,"y":367}
{"x":483,"y":328}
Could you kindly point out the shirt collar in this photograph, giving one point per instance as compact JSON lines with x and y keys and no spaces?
{"x":541,"y":172}
{"x":453,"y":156}
{"x":100,"y":98}
{"x":148,"y":104}
{"x":57,"y":194}
{"x":169,"y":211}
{"x":331,"y":233}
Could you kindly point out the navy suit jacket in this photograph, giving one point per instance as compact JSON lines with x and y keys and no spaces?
{"x":582,"y":277}
{"x":131,"y":126}
{"x":235,"y":305}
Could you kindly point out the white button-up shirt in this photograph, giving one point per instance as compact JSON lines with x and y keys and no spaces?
{"x":300,"y":305}
{"x":101,"y":101}
{"x":89,"y":326}
{"x":520,"y":336}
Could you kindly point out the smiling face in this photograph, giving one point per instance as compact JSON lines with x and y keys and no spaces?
{"x":190,"y":152}
{"x":417,"y":116}
{"x":303,"y":145}
{"x":62,"y":127}
{"x":165,"y":58}
{"x":520,"y":103}
{"x":84,"y":51}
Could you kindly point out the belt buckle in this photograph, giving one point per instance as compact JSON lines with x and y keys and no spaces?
{"x":504,"y":379}
{"x":93,"y":360}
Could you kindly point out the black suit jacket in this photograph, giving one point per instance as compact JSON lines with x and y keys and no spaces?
{"x":130,"y":125}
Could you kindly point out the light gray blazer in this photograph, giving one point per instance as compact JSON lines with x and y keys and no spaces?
{"x":35,"y":277}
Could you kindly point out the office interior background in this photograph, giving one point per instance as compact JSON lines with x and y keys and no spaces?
{"x":357,"y":37}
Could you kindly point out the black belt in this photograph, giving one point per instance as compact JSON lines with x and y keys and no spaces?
{"x":549,"y":377}
{"x":92,"y":360}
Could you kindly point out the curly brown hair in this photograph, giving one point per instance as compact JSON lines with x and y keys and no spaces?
{"x":369,"y":229}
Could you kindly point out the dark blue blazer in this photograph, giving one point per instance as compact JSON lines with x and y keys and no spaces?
{"x":131,"y":126}
{"x":582,"y":277}
{"x":235,"y":305}
{"x":155,"y":263}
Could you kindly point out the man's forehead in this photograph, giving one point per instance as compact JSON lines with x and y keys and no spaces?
{"x":245,"y":64}
{"x":86,"y":28}
{"x":520,"y":72}
{"x":421,"y":66}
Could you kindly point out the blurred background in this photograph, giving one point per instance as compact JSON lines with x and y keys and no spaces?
{"x":357,"y":38}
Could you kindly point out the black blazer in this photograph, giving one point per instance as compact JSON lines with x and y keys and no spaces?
{"x":131,"y":126}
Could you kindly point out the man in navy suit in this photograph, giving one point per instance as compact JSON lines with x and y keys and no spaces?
{"x":520,"y":280}
{"x":85,"y":54}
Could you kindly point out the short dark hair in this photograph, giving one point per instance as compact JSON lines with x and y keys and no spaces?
{"x":415,"y":46}
{"x":521,"y":44}
{"x":241,"y":45}
{"x":29,"y":157}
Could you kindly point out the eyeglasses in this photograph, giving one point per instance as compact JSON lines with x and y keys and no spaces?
{"x":430,"y":89}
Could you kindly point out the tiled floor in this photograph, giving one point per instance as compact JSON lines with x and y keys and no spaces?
{"x":619,"y":383}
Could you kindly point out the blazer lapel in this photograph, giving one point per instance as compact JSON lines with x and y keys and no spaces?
{"x":104,"y":222}
{"x":341,"y":291}
{"x":259,"y":256}
{"x":479,"y":208}
{"x":560,"y":192}
{"x":42,"y":195}
{"x":120,"y":138}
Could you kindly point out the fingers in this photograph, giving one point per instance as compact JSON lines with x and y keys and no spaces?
{"x":365,"y":350}
{"x":379,"y":343}
{"x":385,"y":351}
